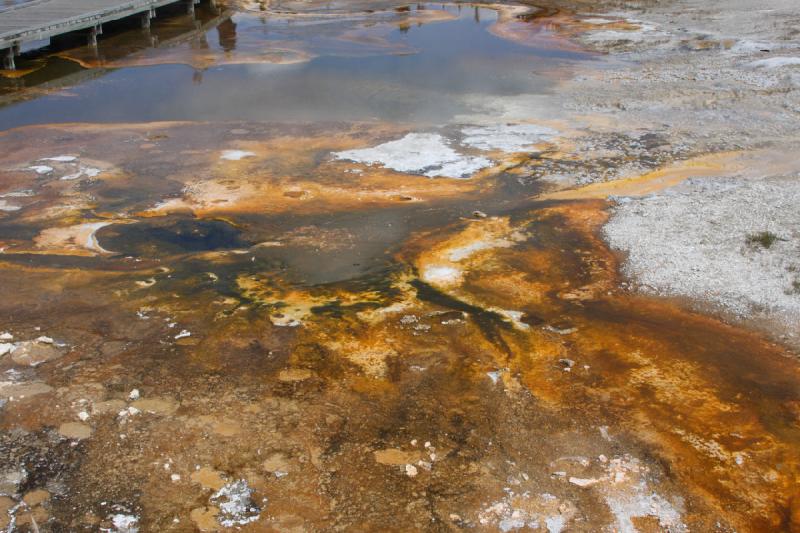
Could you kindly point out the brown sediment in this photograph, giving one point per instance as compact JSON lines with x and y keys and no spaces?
{"x":641,"y":368}
{"x":19,"y":73}
{"x":523,"y":355}
{"x":347,"y":402}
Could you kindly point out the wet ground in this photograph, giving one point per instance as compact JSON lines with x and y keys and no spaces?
{"x":288,"y":267}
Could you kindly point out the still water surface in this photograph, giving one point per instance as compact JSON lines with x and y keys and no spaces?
{"x":421,"y":72}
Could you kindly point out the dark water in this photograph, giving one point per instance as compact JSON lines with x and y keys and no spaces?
{"x":173,"y":235}
{"x":422,"y":75}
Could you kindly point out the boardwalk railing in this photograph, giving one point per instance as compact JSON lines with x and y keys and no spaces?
{"x":42,"y":19}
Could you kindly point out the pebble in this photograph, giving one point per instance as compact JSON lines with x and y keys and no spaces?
{"x":567,"y":364}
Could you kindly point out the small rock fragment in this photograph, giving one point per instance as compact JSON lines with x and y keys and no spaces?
{"x":32,"y":353}
{"x":11,"y":479}
{"x":125,"y":523}
{"x":235,"y":504}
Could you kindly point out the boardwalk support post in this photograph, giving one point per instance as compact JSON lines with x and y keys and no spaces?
{"x":93,"y":33}
{"x":8,"y":59}
{"x":145,"y":18}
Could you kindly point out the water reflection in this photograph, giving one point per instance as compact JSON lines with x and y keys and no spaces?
{"x":226,"y":34}
{"x":268,"y":68}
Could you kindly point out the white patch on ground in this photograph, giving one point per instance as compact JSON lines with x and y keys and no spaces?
{"x":641,"y":503}
{"x":749,"y":46}
{"x":70,"y":177}
{"x":125,"y":523}
{"x":72,"y":237}
{"x":91,"y":239}
{"x":89,"y":172}
{"x":418,"y":153}
{"x":692,"y":240}
{"x":554,"y":524}
{"x":596,"y":21}
{"x":60,"y":158}
{"x":6,"y":347}
{"x":18,"y":194}
{"x":441,"y":275}
{"x":524,"y":511}
{"x":628,"y":496}
{"x":235,"y":155}
{"x":235,"y":504}
{"x":775,"y":62}
{"x":508,"y":138}
{"x":68,"y":165}
{"x":41,"y":169}
{"x":612,"y":35}
{"x":5,"y":206}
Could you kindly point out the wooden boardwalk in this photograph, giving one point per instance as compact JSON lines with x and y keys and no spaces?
{"x":42,"y":19}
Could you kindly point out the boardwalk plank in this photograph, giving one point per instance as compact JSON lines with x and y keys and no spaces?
{"x":41,"y":19}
